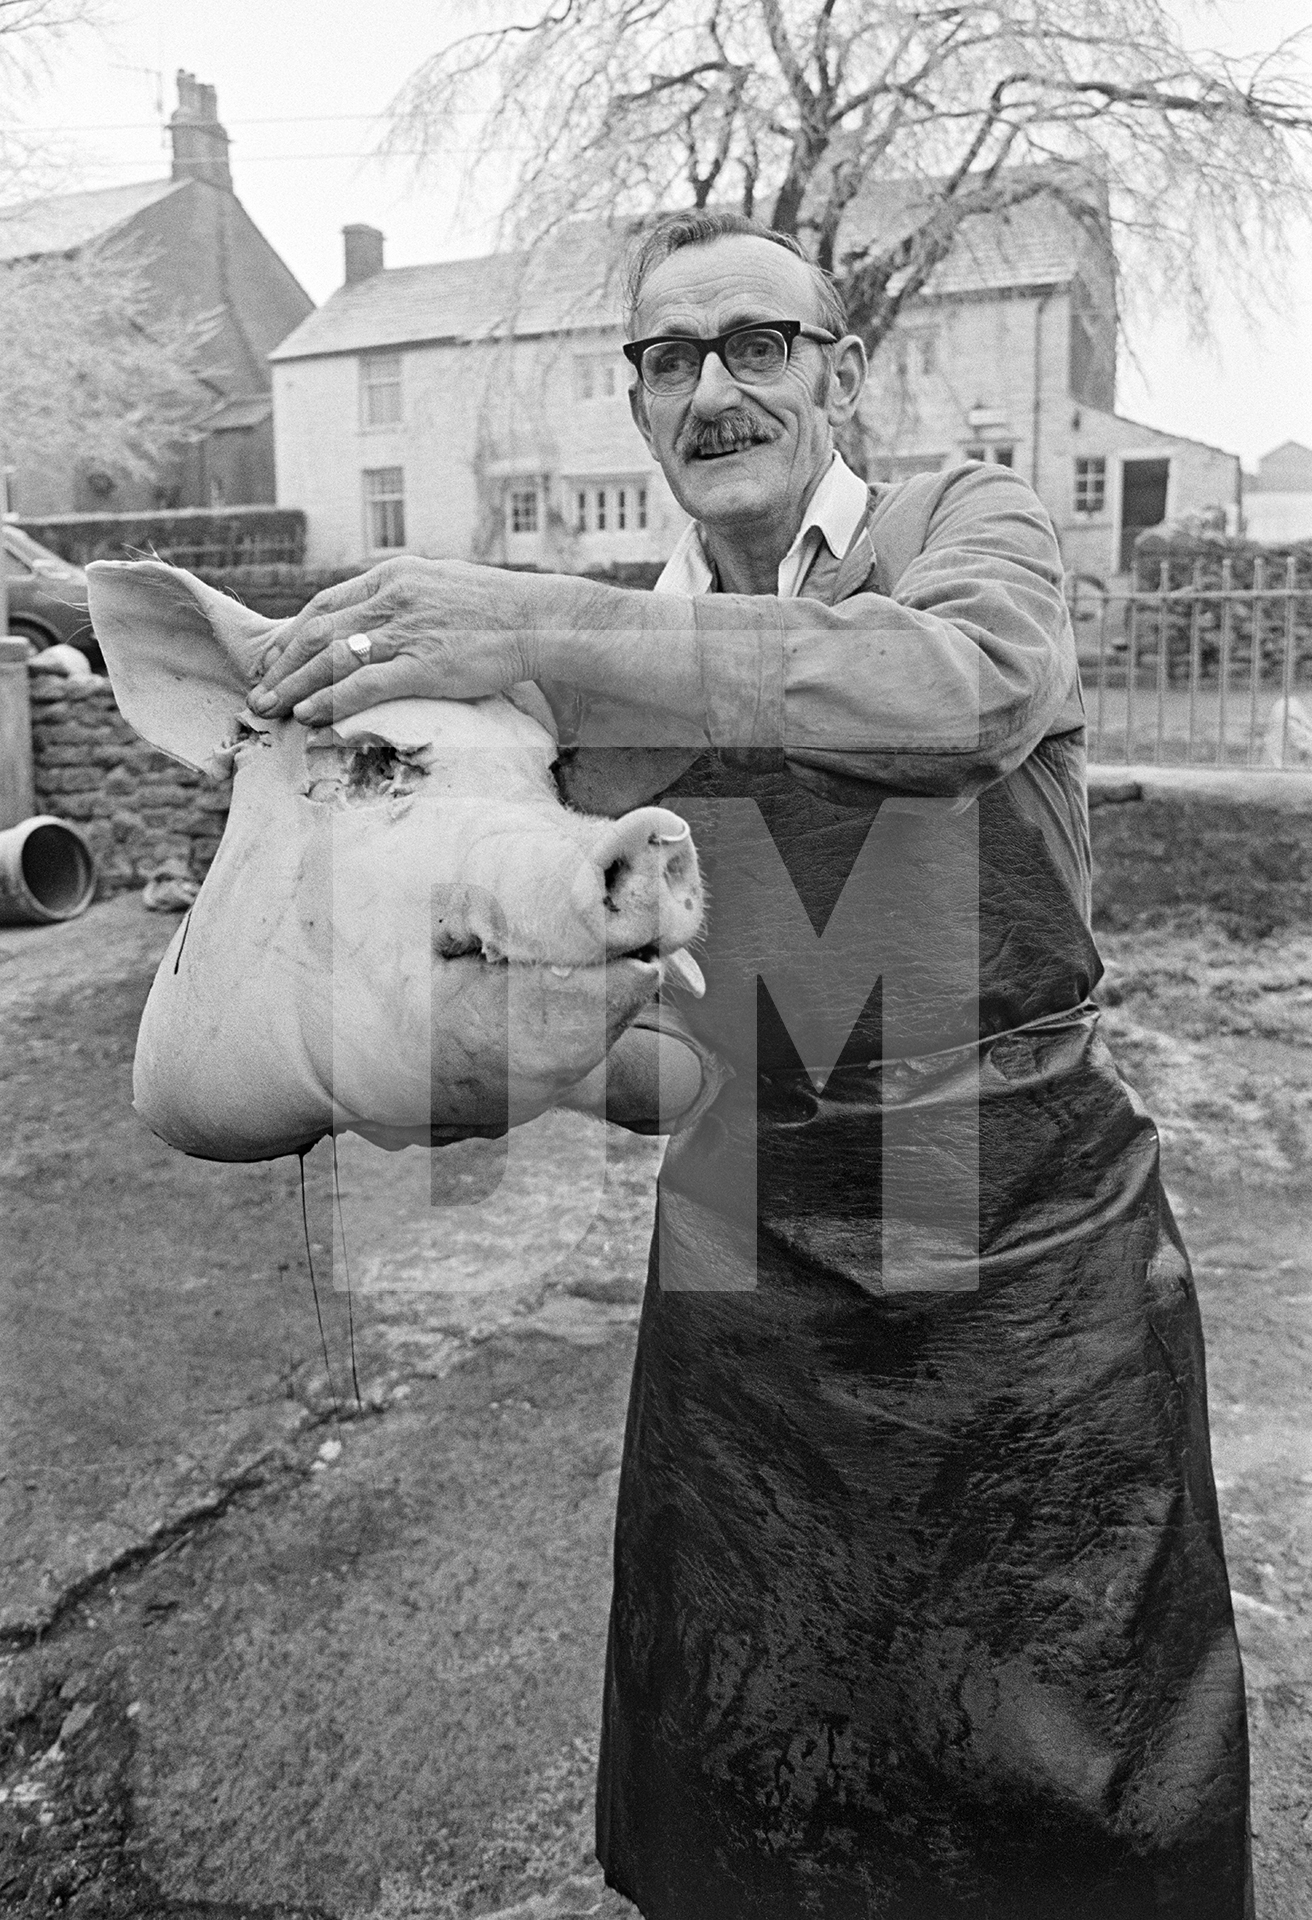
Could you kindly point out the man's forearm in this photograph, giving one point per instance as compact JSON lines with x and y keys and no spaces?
{"x":940,"y":689}
{"x":658,"y":670}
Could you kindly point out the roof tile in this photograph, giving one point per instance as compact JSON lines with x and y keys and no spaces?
{"x":64,"y":221}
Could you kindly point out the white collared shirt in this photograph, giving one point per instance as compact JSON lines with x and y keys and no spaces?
{"x":835,"y":512}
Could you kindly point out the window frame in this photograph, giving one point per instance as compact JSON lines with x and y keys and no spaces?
{"x":528,"y":499}
{"x":370,"y":387}
{"x":1089,"y":489}
{"x":382,"y":500}
{"x":596,"y":378}
{"x":616,"y":507}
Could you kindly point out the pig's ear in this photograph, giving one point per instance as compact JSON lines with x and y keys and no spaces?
{"x":181,"y":656}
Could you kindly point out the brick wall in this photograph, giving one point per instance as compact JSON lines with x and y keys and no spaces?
{"x":136,"y":807}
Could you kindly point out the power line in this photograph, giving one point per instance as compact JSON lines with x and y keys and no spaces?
{"x":265,"y":120}
{"x":252,"y":159}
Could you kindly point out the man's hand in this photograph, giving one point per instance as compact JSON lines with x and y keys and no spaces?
{"x":438,"y":630}
{"x":647,"y":1082}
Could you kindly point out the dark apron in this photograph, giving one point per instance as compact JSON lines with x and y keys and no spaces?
{"x":920,"y":1607}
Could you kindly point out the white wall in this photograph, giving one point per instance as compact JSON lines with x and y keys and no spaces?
{"x":999,"y":353}
{"x":479,"y":422}
{"x":986,"y":352}
{"x":1200,"y":480}
{"x":1276,"y":517}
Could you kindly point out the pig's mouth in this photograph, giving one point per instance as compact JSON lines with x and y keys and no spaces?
{"x":678,"y":969}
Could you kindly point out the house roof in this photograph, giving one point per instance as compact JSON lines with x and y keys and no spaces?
{"x":569,"y":285}
{"x":1035,"y":243}
{"x":1285,"y":469}
{"x":573,"y":282}
{"x":64,"y":221}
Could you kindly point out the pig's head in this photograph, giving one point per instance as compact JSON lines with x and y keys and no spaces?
{"x":404,"y":928}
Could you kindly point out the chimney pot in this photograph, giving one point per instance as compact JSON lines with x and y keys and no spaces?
{"x":363,"y":250}
{"x":200,"y":144}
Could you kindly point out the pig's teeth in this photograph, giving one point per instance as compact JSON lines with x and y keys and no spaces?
{"x":681,"y":970}
{"x":561,"y":973}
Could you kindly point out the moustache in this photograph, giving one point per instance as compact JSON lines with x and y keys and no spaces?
{"x":728,"y":432}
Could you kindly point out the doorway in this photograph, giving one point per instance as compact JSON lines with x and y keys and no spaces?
{"x":1143,"y":502}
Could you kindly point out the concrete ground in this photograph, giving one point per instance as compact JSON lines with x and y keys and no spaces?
{"x":266,"y":1650}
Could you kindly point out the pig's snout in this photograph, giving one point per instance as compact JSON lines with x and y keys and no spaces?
{"x":644,"y":876}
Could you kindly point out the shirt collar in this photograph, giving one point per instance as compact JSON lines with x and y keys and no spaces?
{"x":836,"y":510}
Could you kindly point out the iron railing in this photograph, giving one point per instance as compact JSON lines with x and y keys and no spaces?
{"x":1203,"y":673}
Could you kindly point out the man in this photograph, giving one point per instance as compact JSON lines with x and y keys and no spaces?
{"x":920,"y":1602}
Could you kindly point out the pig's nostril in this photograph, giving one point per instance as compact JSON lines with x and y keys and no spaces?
{"x":678,"y":866}
{"x":610,"y":879}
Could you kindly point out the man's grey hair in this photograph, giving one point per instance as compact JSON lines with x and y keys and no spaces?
{"x":697,"y":228}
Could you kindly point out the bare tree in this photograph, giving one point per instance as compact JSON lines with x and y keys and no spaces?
{"x":30,"y":30}
{"x":94,"y":376}
{"x":794,"y":109}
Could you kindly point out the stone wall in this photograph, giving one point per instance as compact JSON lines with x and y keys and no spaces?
{"x":136,"y":807}
{"x":1164,"y":838}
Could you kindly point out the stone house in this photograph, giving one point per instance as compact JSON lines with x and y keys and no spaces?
{"x":202,"y":253}
{"x":478,"y":408}
{"x":475,"y":408}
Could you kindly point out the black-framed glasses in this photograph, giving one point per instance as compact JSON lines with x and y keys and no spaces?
{"x":753,"y":355}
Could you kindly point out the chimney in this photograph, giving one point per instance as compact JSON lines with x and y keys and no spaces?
{"x":200,"y":144}
{"x":363,"y":248}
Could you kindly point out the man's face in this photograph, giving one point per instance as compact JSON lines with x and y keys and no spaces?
{"x":740,"y":455}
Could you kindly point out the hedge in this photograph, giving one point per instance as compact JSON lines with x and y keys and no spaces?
{"x":213,"y":537}
{"x":1196,"y":568}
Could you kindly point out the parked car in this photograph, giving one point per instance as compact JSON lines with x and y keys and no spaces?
{"x":47,"y":598}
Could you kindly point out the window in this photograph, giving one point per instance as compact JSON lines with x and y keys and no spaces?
{"x":916,"y":351}
{"x":595,"y":377}
{"x":524,"y":510}
{"x":976,"y":453}
{"x":384,"y":499}
{"x":380,"y":390}
{"x":1004,"y":456}
{"x":617,"y":510}
{"x":1090,"y":485}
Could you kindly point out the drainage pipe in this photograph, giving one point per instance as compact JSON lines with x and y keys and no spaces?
{"x":47,"y":872}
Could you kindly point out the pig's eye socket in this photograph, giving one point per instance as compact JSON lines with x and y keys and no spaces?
{"x":455,"y":946}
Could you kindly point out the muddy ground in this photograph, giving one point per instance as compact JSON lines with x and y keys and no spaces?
{"x":265,"y":1649}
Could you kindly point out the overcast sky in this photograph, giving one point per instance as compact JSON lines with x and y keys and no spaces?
{"x":303,"y":86}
